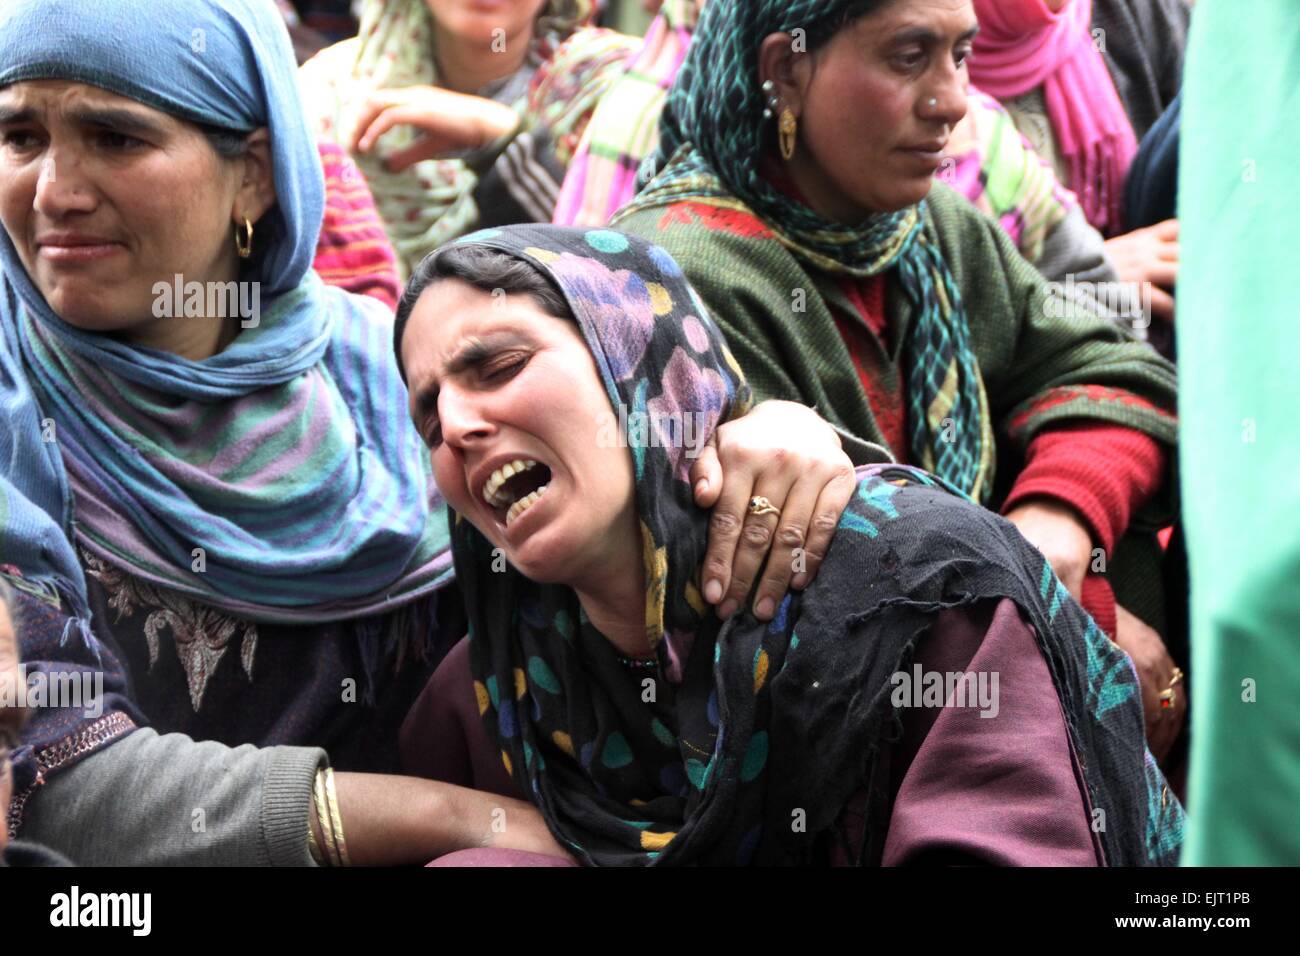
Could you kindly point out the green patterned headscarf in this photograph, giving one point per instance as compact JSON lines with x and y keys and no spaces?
{"x":713,"y":138}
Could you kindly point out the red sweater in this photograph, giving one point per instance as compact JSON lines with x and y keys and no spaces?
{"x":353,"y":251}
{"x":1103,"y":472}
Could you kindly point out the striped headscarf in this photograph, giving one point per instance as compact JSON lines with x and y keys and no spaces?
{"x":624,"y":129}
{"x":995,"y":167}
{"x":279,"y":480}
{"x":712,"y":140}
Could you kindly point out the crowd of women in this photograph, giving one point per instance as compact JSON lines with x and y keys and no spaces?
{"x":363,"y":577}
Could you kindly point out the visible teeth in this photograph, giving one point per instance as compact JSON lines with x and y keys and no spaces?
{"x":524,"y":503}
{"x":492,"y":486}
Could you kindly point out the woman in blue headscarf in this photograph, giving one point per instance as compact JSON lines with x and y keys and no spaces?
{"x":208,"y":463}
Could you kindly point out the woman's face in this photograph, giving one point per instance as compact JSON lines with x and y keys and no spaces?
{"x":495,"y":381}
{"x":870,"y":139}
{"x":476,"y":22}
{"x":103,"y":196}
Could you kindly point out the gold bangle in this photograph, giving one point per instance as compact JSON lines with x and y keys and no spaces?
{"x":336,"y":821}
{"x":323,"y":818}
{"x":312,"y":846}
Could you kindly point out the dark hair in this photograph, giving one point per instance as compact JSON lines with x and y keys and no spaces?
{"x":228,"y":143}
{"x":231,"y":144}
{"x":824,"y":30}
{"x":487,"y":269}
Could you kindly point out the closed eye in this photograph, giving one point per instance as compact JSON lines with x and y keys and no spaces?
{"x":504,"y":368}
{"x":491,"y":371}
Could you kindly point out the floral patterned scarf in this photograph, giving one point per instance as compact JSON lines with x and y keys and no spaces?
{"x":706,"y":755}
{"x":567,"y":70}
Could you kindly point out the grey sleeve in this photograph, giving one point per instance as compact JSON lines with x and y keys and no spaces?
{"x":151,"y":800}
{"x":1075,"y":248}
{"x":1074,"y":256}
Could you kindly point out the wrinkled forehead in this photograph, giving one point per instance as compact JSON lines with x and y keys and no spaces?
{"x":50,"y":100}
{"x":634,"y":304}
{"x":455,"y":323}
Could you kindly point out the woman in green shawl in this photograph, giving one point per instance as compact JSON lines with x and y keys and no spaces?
{"x":795,"y":184}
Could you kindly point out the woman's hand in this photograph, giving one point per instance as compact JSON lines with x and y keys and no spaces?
{"x":1056,"y":530}
{"x":1155,"y":670}
{"x":788,"y":454}
{"x":1149,"y":255}
{"x":450,"y":122}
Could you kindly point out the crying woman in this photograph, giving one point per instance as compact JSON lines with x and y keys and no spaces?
{"x":594,"y":682}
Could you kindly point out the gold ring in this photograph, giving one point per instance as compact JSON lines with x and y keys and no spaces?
{"x":1169,"y":696}
{"x":758,"y":505}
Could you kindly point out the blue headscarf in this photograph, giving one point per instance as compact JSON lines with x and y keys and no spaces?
{"x":223,"y":63}
{"x":340,"y":523}
{"x":288,"y":457}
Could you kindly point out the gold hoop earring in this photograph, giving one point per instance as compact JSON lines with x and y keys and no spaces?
{"x":788,"y":130}
{"x":245,"y":245}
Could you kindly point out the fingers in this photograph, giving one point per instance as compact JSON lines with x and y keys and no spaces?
{"x":424,"y":147}
{"x":1167,"y":230}
{"x":756,"y":537}
{"x":1162,"y":304}
{"x":831,"y":501}
{"x":793,"y":542}
{"x":1155,"y":670}
{"x":386,"y":118}
{"x":788,"y":544}
{"x":1166,"y":722}
{"x":369,"y":113}
{"x":765,"y":453}
{"x":706,"y":476}
{"x":1163,"y":726}
{"x":724,"y":535}
{"x":754,"y":532}
{"x":1163,"y":274}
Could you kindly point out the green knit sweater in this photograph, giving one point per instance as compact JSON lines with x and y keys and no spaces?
{"x":1043,"y":358}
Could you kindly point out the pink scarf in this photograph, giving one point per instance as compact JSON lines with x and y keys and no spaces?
{"x":1023,"y":45}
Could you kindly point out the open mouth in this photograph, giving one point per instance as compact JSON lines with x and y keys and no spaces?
{"x":515,"y":487}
